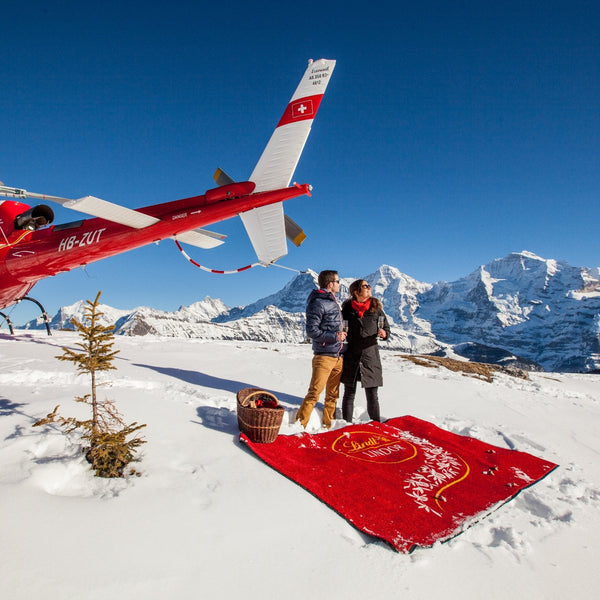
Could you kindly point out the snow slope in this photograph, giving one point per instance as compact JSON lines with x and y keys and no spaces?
{"x":207,"y":519}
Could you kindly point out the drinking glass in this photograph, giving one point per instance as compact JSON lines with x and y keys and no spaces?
{"x":380,"y":323}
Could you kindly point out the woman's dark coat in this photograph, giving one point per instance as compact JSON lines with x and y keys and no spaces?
{"x":361,"y":358}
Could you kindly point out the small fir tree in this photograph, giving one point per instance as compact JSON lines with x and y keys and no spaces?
{"x":105,"y":435}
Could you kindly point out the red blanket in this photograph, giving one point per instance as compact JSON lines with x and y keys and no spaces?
{"x":405,"y":481}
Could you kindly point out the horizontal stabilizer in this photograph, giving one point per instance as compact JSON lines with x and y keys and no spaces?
{"x":201,"y":238}
{"x":96,"y":207}
{"x":294,"y":232}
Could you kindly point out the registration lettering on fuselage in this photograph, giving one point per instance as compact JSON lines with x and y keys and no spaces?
{"x":76,"y":241}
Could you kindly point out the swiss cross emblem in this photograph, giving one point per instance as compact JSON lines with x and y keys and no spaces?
{"x":302,"y":108}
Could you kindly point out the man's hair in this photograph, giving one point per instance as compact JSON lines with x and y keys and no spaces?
{"x":326,"y":277}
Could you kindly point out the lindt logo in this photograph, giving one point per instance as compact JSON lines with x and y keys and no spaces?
{"x":374,"y":447}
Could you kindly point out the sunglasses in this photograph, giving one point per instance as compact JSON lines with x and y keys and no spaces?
{"x":365,"y":286}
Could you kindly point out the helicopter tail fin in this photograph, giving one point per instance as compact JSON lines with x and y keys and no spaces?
{"x":266,"y":225}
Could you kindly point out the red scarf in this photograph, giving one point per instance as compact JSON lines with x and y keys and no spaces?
{"x":361,"y":307}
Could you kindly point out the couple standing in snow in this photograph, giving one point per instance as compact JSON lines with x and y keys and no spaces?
{"x":344,"y":342}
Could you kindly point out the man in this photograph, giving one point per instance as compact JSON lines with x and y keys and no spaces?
{"x":324,"y":328}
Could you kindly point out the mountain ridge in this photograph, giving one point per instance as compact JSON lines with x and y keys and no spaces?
{"x":539,"y":311}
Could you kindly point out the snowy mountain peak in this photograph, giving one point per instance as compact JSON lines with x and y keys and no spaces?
{"x":387,"y":275}
{"x":291,"y":298}
{"x":521,"y":265}
{"x":527,"y":254}
{"x":62,"y":319}
{"x":209,"y":308}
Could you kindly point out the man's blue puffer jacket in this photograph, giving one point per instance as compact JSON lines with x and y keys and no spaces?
{"x":323,"y":322}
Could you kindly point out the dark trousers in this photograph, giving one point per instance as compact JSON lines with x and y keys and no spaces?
{"x":348,"y":402}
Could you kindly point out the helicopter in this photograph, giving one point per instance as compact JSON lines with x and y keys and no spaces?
{"x":32,"y":248}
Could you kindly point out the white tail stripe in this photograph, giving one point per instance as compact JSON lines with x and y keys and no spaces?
{"x":275,"y":168}
{"x":315,"y":78}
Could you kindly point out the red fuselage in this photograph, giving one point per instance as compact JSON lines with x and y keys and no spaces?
{"x":28,"y":256}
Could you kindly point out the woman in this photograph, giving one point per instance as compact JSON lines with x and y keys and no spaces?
{"x":361,"y":359}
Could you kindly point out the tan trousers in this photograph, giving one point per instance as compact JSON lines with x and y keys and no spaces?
{"x":326,"y":373}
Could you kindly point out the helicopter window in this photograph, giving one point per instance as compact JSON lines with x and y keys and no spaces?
{"x":70,"y":225}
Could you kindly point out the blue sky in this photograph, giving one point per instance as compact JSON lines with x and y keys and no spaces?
{"x":452,"y":133}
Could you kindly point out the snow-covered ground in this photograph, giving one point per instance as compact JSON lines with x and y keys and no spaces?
{"x":207,"y":519}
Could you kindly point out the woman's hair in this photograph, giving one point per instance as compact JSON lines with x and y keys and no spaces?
{"x":355,"y":288}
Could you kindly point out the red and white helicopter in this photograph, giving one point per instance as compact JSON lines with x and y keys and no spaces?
{"x":32,"y":249}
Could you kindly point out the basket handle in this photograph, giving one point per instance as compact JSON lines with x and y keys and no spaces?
{"x":256,"y":393}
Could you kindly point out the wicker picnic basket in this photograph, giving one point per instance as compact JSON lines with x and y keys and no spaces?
{"x":259,"y":414}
